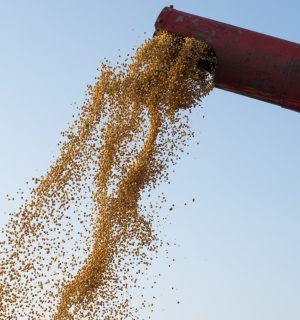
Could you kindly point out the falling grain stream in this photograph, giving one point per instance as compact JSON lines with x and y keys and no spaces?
{"x":68,"y":250}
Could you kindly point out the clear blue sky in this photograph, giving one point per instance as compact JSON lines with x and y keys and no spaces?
{"x":239,"y":254}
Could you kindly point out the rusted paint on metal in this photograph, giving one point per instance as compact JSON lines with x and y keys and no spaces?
{"x":179,"y":19}
{"x":194,"y":22}
{"x":207,"y":35}
{"x":249,"y":63}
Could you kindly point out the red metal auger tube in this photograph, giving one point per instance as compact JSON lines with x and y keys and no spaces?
{"x":248,"y":63}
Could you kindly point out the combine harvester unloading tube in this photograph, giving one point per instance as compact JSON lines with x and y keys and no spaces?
{"x":248,"y":63}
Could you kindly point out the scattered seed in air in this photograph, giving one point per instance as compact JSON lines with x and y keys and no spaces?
{"x":79,"y":243}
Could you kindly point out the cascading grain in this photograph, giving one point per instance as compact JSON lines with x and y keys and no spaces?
{"x":82,"y":239}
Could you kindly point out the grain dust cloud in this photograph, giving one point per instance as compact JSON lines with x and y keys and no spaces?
{"x":82,"y":239}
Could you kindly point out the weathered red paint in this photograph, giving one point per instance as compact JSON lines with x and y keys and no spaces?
{"x":248,"y":63}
